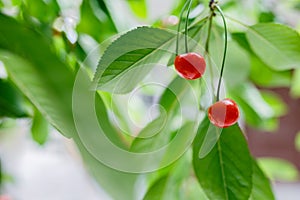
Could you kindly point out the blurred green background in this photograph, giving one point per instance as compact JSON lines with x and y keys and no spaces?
{"x":36,"y":160}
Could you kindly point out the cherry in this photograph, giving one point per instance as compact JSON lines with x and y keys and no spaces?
{"x":190,"y":65}
{"x":223,"y":113}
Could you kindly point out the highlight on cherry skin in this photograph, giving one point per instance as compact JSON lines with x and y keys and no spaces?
{"x":224,"y":113}
{"x":190,"y":65}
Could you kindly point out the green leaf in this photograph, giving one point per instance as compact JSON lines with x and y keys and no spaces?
{"x":275,"y":44}
{"x":160,"y":128}
{"x":118,"y":185}
{"x":276,"y":103}
{"x":103,"y":7}
{"x":278,"y":169}
{"x":191,"y":190}
{"x":168,"y":185}
{"x":45,"y":80}
{"x":295,"y":87}
{"x":297,"y":141}
{"x":265,"y":17}
{"x":98,"y":26}
{"x":46,"y":95}
{"x":260,"y":73}
{"x":39,"y":128}
{"x":251,"y":95}
{"x":132,"y":55}
{"x":48,"y":83}
{"x":297,"y":5}
{"x":237,"y":65}
{"x":7,"y":178}
{"x":120,"y":113}
{"x":162,"y":138}
{"x":123,"y":160}
{"x":173,"y":93}
{"x":257,"y":111}
{"x":241,"y":39}
{"x":158,"y":189}
{"x":11,"y":101}
{"x":226,"y":172}
{"x":154,"y":127}
{"x":264,"y":76}
{"x":139,"y":7}
{"x":261,"y":185}
{"x":16,"y":2}
{"x":46,"y":11}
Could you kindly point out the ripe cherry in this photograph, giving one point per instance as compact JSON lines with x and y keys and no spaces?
{"x":190,"y":65}
{"x":223,"y":113}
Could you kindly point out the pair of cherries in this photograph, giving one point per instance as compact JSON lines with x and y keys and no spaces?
{"x":191,"y":66}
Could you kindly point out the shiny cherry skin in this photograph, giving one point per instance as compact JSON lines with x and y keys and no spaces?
{"x":190,"y":65}
{"x":224,"y":113}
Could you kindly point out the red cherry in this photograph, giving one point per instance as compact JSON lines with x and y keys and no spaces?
{"x":223,"y":113}
{"x":190,"y":65}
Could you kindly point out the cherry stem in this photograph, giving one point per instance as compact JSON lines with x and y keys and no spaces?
{"x":210,"y":18}
{"x":186,"y":26}
{"x":225,"y":51}
{"x":209,"y":33}
{"x":178,"y":28}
